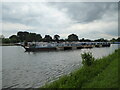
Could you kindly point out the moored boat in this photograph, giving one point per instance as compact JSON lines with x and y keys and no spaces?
{"x":45,"y":46}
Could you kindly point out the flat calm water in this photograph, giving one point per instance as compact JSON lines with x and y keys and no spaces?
{"x":21,"y":69}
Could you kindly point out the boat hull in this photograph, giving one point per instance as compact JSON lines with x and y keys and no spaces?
{"x":108,"y":45}
{"x":39,"y":49}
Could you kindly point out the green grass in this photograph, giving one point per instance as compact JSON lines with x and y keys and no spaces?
{"x":108,"y":78}
{"x":103,"y":73}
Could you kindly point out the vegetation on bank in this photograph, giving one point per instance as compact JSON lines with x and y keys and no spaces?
{"x":30,"y":37}
{"x":102,"y":73}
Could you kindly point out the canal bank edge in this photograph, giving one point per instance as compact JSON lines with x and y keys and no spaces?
{"x":102,"y":74}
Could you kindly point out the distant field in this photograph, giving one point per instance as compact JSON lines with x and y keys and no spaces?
{"x":102,"y":74}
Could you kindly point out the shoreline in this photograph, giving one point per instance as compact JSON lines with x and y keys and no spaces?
{"x":6,"y":44}
{"x":94,"y":76}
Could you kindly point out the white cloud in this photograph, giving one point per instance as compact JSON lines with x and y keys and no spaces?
{"x":12,"y":26}
{"x":41,"y":13}
{"x":45,"y":18}
{"x":95,"y":28}
{"x":41,"y":16}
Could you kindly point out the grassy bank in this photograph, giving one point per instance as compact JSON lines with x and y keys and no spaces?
{"x":103,"y":73}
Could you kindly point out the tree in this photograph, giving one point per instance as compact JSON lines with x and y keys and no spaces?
{"x":62,"y":40}
{"x":82,"y":40}
{"x":56,"y":37}
{"x":22,"y":35}
{"x":38,"y":37}
{"x":5,"y":40}
{"x":29,"y":37}
{"x":118,"y":39}
{"x":47,"y":38}
{"x":14,"y":39}
{"x":73,"y":37}
{"x":101,"y":40}
{"x":33,"y":37}
{"x":113,"y":40}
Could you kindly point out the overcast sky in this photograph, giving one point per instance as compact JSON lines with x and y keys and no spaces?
{"x":88,"y":20}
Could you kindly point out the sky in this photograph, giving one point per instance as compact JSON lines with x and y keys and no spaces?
{"x":91,"y":20}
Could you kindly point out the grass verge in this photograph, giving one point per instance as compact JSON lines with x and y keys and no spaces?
{"x":103,"y":73}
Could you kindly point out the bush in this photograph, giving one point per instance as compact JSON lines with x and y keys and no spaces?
{"x":87,"y":59}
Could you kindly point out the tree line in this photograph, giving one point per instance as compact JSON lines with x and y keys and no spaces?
{"x":30,"y":37}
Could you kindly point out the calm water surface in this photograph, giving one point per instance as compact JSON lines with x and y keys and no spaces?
{"x":24,"y":70}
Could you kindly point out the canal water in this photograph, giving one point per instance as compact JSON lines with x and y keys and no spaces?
{"x":21,"y":69}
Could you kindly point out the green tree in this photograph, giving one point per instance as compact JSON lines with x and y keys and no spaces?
{"x":62,"y":40}
{"x":73,"y":37}
{"x":82,"y":40}
{"x":118,"y":39}
{"x":38,"y":37}
{"x":14,"y":39}
{"x":56,"y":37}
{"x":85,"y":40}
{"x":113,"y":40}
{"x":101,"y":40}
{"x":33,"y":37}
{"x":22,"y":35}
{"x":26,"y":36}
{"x":47,"y":38}
{"x":5,"y":40}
